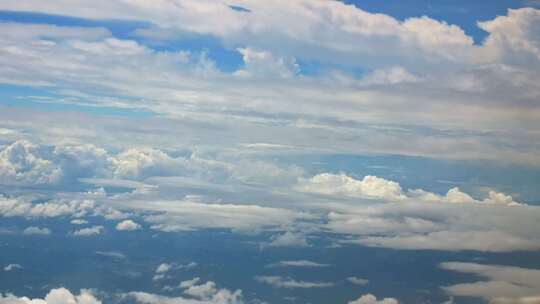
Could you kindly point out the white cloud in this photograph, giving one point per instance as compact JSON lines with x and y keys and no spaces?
{"x":373,"y":187}
{"x":285,"y":282}
{"x":78,"y":222}
{"x":19,"y":206}
{"x":503,"y":284}
{"x":341,"y":184}
{"x":452,"y":227}
{"x":94,"y":230}
{"x":357,"y":280}
{"x":490,"y":241}
{"x":32,"y":230}
{"x":55,"y":296}
{"x":189,"y":215}
{"x":163,"y":267}
{"x":189,"y":283}
{"x":205,"y":293}
{"x":111,"y":254}
{"x":21,"y":162}
{"x":264,"y":64}
{"x":287,"y":239}
{"x":11,"y":267}
{"x":298,"y":263}
{"x":128,"y":225}
{"x":371,"y":299}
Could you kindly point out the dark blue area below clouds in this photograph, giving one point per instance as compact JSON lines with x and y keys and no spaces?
{"x":231,"y":260}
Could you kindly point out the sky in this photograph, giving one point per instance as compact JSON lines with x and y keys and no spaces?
{"x":250,"y":152}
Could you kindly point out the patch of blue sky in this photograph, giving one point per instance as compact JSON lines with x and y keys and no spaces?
{"x":464,"y":13}
{"x":44,"y":100}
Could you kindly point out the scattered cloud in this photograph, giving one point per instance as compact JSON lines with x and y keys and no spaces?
{"x":11,"y":267}
{"x":32,"y":230}
{"x":111,"y":254}
{"x":89,"y":231}
{"x":298,"y":263}
{"x":357,"y":280}
{"x":286,"y":282}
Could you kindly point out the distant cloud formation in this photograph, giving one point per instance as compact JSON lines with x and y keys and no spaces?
{"x":89,"y":231}
{"x":32,"y":230}
{"x":12,"y":267}
{"x":286,"y":282}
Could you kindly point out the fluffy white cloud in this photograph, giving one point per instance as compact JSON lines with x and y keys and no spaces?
{"x":55,"y":296}
{"x":89,"y":231}
{"x":21,"y":162}
{"x":32,"y":230}
{"x":374,"y":187}
{"x":341,"y":184}
{"x":504,"y":284}
{"x":127,"y":225}
{"x":371,"y":299}
{"x":285,"y":282}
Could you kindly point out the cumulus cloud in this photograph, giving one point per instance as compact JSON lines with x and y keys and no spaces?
{"x":502,"y":284}
{"x":32,"y":230}
{"x":128,"y":225}
{"x":371,"y":299}
{"x":89,"y":231}
{"x":341,"y":184}
{"x":55,"y":296}
{"x":285,"y":282}
{"x":374,"y":187}
{"x":21,"y":162}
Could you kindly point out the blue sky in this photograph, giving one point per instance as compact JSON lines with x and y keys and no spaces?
{"x":186,"y":151}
